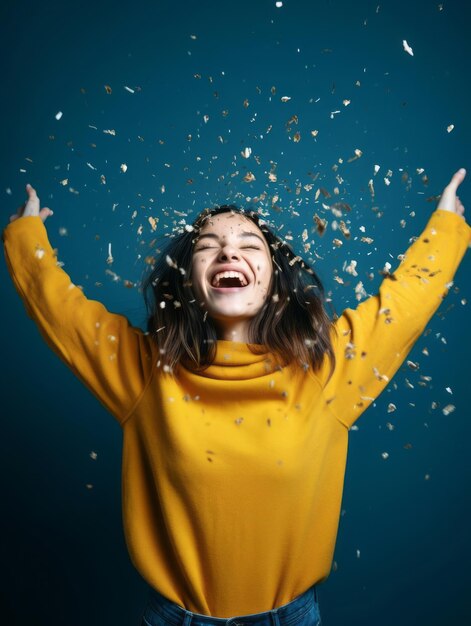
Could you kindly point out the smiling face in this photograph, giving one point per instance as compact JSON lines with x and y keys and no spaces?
{"x":231,"y":272}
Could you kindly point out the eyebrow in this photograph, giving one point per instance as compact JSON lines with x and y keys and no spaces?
{"x":244,"y":234}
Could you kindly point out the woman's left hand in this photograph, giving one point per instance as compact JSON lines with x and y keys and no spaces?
{"x":449,"y":201}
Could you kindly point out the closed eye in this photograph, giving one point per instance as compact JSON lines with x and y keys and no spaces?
{"x":203,"y":248}
{"x":242,"y":248}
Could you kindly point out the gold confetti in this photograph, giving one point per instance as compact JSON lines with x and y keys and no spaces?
{"x":321,"y":224}
{"x":153,"y":221}
{"x":449,"y":408}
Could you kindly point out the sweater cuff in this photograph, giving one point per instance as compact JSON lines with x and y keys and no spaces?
{"x":449,"y":222}
{"x":30,"y":223}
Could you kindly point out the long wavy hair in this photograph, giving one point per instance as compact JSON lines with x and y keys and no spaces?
{"x":292,"y":324}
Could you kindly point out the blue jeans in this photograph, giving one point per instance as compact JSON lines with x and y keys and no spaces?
{"x":302,"y":611}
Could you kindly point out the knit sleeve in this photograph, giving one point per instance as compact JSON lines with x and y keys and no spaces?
{"x":373,"y":340}
{"x":113,"y":359}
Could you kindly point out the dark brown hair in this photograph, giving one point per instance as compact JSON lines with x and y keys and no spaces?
{"x":293,"y":323}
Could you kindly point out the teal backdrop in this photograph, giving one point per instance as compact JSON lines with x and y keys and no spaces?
{"x":119,"y":112}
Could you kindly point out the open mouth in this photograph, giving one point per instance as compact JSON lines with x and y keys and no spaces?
{"x":228,"y":280}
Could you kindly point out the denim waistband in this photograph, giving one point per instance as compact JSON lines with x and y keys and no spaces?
{"x":161,"y":609}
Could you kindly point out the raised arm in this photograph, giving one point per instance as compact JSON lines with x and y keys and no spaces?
{"x":112,"y":358}
{"x":373,"y":340}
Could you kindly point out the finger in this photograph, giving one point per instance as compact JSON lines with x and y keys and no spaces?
{"x":44,"y":213}
{"x":457,"y":179}
{"x":32,"y":204}
{"x":14,"y":217}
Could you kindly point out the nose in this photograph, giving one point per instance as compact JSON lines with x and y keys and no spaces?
{"x":228,"y":252}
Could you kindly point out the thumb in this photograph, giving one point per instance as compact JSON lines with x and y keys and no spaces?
{"x":44,"y":213}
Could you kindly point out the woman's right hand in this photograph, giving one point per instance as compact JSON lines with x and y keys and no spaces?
{"x":31,"y":207}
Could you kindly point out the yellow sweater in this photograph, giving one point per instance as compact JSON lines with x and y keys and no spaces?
{"x":232,"y":479}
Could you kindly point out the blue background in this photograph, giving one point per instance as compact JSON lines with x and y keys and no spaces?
{"x":63,"y":554}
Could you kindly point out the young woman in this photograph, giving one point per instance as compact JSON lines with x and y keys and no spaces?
{"x":236,"y":404}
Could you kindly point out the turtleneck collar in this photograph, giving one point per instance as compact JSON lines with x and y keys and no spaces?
{"x":236,"y":361}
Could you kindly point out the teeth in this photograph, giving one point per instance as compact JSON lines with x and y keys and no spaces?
{"x":229,"y":274}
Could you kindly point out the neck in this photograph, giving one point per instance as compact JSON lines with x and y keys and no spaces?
{"x":233,"y":331}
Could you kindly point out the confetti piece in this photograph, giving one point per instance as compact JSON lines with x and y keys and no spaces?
{"x":129,"y":89}
{"x":285,"y":98}
{"x":58,"y":115}
{"x":360,"y":291}
{"x":153,"y":221}
{"x":246,"y":152}
{"x":450,"y":128}
{"x":108,"y":89}
{"x":380,"y":376}
{"x":385,"y":455}
{"x":407,"y":48}
{"x":123,"y":167}
{"x":449,"y":408}
{"x":351,"y":268}
{"x":93,"y":455}
{"x":110,"y":259}
{"x":39,"y":253}
{"x":278,"y":4}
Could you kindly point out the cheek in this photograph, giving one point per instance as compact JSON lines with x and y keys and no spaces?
{"x":265,"y":276}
